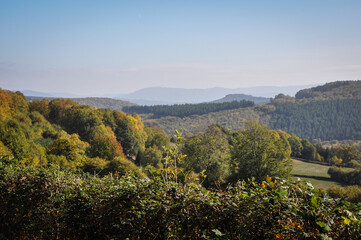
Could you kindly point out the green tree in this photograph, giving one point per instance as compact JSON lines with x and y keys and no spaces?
{"x":209,"y":153}
{"x":308,"y":150}
{"x":156,"y":137}
{"x":259,"y":152}
{"x":296,"y":145}
{"x":14,"y":138}
{"x":153,"y":156}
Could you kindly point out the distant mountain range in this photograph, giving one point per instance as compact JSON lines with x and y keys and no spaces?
{"x":162,"y":95}
{"x":169,"y":96}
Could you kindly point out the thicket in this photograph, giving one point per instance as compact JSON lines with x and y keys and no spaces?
{"x":350,"y":193}
{"x":184,"y":110}
{"x":45,"y":203}
{"x":352,"y":177}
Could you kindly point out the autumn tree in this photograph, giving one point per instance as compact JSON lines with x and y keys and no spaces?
{"x":69,"y":146}
{"x":347,"y":153}
{"x":41,"y":106}
{"x":106,"y":147}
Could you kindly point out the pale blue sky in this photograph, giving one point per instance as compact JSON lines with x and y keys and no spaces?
{"x":112,"y":46}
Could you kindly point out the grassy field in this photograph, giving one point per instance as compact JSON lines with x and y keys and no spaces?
{"x":316,"y":174}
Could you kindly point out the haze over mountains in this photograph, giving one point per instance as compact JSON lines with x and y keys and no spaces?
{"x":163,"y":95}
{"x":168,"y":96}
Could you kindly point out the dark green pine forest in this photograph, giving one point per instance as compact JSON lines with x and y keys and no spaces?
{"x":70,"y":171}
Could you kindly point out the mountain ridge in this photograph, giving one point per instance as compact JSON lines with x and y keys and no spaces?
{"x":184,"y":95}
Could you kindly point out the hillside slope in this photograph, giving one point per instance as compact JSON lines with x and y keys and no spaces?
{"x":330,"y":112}
{"x":333,"y":90}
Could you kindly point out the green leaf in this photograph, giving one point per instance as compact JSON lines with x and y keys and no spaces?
{"x":217,"y":232}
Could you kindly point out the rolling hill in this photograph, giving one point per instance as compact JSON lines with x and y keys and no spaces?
{"x":335,"y":115}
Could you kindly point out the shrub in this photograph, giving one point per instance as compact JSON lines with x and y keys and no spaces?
{"x":40,"y":203}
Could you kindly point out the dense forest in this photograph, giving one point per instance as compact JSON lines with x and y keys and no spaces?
{"x":327,"y":119}
{"x":335,"y":116}
{"x":184,"y":110}
{"x":70,"y":135}
{"x":69,"y":171}
{"x":333,"y":90}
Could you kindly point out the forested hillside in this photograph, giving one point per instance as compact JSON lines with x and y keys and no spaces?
{"x":334,"y":116}
{"x":328,"y":119}
{"x":110,"y":103}
{"x":64,"y":133}
{"x":333,"y":90}
{"x":184,"y":110}
{"x":69,"y":171}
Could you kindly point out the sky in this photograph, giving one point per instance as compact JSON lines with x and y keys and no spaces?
{"x":91,"y":47}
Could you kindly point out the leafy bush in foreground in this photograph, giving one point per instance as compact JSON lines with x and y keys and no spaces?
{"x":51,"y":204}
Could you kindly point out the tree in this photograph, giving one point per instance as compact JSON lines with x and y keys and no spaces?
{"x":308,"y":151}
{"x":209,"y":152}
{"x":13,"y":137}
{"x":347,"y":153}
{"x":70,"y":147}
{"x":153,"y":156}
{"x":296,"y":145}
{"x":106,"y":147}
{"x":41,"y":106}
{"x":156,"y":137}
{"x":259,"y":152}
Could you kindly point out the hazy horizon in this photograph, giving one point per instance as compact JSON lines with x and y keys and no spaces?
{"x":115,"y":47}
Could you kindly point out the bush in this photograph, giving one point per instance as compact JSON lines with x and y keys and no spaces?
{"x":349,"y":177}
{"x":39,"y":203}
{"x":351,"y":193}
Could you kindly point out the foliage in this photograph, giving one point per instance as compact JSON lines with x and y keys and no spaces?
{"x":106,"y":147}
{"x":350,"y":193}
{"x":347,"y":153}
{"x":69,"y":146}
{"x":352,"y":177}
{"x":153,"y":156}
{"x":296,"y":145}
{"x":103,"y":103}
{"x":209,"y":154}
{"x":308,"y":150}
{"x":38,"y":203}
{"x":259,"y":152}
